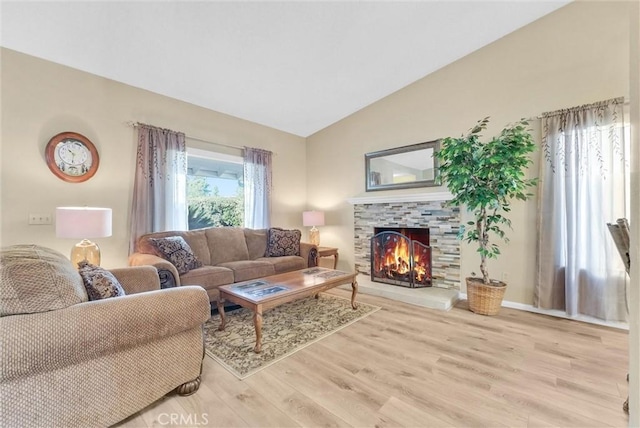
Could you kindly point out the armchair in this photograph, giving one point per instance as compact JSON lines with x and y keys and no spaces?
{"x":91,"y":363}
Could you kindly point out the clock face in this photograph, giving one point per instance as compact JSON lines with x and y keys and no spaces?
{"x":72,"y":157}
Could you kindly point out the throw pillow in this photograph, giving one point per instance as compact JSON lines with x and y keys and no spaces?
{"x":99,"y":282}
{"x":283,"y":242}
{"x":176,"y":250}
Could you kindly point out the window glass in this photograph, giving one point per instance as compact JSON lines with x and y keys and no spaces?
{"x":215,"y":189}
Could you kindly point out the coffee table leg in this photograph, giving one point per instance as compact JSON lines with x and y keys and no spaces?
{"x":354,"y":292}
{"x":223,"y":321}
{"x":257,"y":322}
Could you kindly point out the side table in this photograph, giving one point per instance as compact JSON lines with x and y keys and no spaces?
{"x":328,"y":252}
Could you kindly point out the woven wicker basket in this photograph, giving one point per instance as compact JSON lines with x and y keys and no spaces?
{"x":485,"y":299}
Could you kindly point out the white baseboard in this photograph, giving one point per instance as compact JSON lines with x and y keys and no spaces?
{"x":559,"y":314}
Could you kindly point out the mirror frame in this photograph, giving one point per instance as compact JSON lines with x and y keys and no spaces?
{"x":368,"y":157}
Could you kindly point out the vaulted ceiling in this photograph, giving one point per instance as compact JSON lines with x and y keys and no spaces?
{"x":294,"y":66}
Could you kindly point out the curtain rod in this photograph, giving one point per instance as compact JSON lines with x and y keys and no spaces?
{"x":625,"y":102}
{"x":136,"y":124}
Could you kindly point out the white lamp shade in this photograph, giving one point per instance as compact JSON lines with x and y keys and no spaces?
{"x":83,"y":222}
{"x":313,"y":218}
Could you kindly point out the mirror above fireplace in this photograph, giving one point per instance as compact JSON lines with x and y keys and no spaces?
{"x":402,"y":167}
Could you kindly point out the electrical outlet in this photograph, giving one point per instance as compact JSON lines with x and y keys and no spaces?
{"x":39,"y":218}
{"x":505,"y":277}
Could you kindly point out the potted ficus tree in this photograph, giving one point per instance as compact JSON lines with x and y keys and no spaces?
{"x":485,"y":177}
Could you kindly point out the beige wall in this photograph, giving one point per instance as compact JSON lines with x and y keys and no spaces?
{"x":634,"y":300}
{"x":577,"y":55}
{"x":41,"y":99}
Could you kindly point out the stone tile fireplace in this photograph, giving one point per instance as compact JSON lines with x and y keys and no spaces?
{"x":414,"y":211}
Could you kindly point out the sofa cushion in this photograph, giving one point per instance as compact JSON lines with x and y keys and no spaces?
{"x":99,"y":282}
{"x":195,"y":238}
{"x":208,"y":277}
{"x":283,"y":242}
{"x":256,"y":242}
{"x":285,"y":263}
{"x":176,"y":250}
{"x":244,"y":270}
{"x":226,"y":244}
{"x":37,"y":279}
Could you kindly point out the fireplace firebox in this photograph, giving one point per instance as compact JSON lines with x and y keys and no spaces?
{"x":401,"y":256}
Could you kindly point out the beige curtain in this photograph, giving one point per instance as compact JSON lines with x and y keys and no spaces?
{"x":159,"y":191}
{"x":583,"y":184}
{"x":257,"y":188}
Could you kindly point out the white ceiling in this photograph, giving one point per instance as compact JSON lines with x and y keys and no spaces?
{"x":294,"y":66}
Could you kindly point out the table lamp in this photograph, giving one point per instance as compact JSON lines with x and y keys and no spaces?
{"x":83,"y":223}
{"x":313,"y":219}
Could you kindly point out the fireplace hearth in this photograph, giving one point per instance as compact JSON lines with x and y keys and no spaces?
{"x":401,"y":256}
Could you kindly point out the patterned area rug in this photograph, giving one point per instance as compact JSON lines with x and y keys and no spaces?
{"x":285,"y":330}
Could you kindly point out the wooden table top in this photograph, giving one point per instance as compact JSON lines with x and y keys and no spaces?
{"x":275,"y":287}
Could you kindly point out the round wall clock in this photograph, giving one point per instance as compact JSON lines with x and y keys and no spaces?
{"x":72,"y":157}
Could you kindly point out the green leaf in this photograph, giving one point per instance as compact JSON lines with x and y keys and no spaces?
{"x":485,"y":176}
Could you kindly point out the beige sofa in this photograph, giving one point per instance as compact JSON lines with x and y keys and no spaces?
{"x":66,"y":361}
{"x":227,"y":254}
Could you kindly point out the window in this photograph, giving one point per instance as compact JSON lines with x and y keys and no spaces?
{"x":584,"y":186}
{"x":215,"y":189}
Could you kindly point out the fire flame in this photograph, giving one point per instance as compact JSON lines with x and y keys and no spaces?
{"x":420,"y":270}
{"x":394,"y":262}
{"x":398,"y":257}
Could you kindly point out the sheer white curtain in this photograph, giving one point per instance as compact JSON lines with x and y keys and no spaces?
{"x":257,"y":188}
{"x":583,"y":182}
{"x":160,"y":187}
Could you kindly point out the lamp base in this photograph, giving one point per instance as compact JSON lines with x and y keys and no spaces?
{"x":314,"y":236}
{"x":85,"y":250}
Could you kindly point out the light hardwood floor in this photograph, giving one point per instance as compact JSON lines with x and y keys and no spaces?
{"x":415,"y":367}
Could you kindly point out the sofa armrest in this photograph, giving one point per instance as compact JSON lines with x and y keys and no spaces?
{"x":309,"y":252}
{"x":167,"y":272}
{"x":92,"y":329}
{"x":137,"y":279}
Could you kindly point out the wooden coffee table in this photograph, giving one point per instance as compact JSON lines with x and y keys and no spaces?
{"x":266,"y":293}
